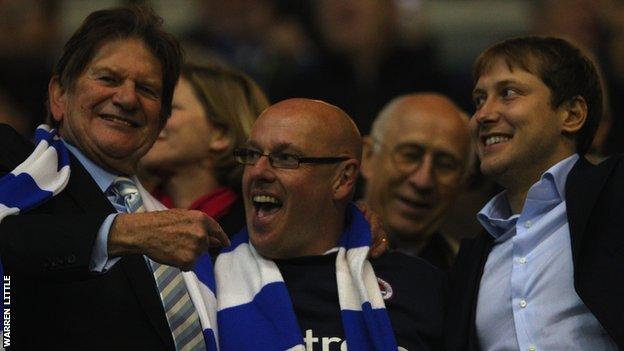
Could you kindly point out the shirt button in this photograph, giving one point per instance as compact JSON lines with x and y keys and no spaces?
{"x":528,"y":224}
{"x":532,"y":348}
{"x":523,"y":303}
{"x":522,"y":260}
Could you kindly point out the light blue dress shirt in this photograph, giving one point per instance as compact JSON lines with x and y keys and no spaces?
{"x":526,"y":298}
{"x":104,"y":179}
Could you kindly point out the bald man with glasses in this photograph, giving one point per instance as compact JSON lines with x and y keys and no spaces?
{"x":415,"y":162}
{"x":284,"y":282}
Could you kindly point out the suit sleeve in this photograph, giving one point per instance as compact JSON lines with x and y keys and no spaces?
{"x":49,"y":246}
{"x":53,"y":241}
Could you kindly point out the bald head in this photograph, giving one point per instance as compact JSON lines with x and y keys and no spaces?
{"x":298,"y":211}
{"x":415,"y":163}
{"x":326,"y":125}
{"x":419,"y":105}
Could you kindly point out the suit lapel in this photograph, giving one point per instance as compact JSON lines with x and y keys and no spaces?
{"x":460,"y":330}
{"x":583,"y":186}
{"x":482,"y":248}
{"x":144,"y":286}
{"x":85,"y":191}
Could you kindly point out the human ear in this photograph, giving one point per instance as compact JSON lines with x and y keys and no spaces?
{"x":57,"y":96}
{"x":367,"y":156}
{"x":219,"y":140}
{"x":346,"y":180}
{"x":575,"y":115}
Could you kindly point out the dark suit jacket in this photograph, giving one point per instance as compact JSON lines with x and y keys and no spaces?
{"x":595,"y":210}
{"x":56,"y":302}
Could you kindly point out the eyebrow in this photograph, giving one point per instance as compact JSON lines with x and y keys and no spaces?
{"x":498,"y":85}
{"x":280,"y":147}
{"x":411,"y":144}
{"x":153,"y":83}
{"x":435,"y":151}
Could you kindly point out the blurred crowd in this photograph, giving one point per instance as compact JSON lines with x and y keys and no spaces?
{"x":356,"y":54}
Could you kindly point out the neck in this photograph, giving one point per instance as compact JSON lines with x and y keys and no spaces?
{"x":516,"y":197}
{"x":328,"y":234}
{"x":321,"y":237}
{"x":518,"y":185}
{"x":186,"y":185}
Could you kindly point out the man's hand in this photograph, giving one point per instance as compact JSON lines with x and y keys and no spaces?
{"x":173,"y":237}
{"x":380,"y":243}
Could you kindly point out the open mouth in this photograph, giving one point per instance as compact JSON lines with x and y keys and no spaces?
{"x":121,"y":120}
{"x":495,"y":139}
{"x":266,"y":205}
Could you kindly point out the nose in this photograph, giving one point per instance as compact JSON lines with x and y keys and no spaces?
{"x":487,"y":112}
{"x":126,"y":96}
{"x":260,"y":171}
{"x":423,"y":178}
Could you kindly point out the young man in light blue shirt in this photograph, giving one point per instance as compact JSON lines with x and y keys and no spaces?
{"x":543,"y":277}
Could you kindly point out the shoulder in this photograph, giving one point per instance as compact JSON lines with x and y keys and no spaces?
{"x":585,"y":181}
{"x":415,"y":294}
{"x":412,"y":273}
{"x":584,"y":170}
{"x":14,"y":148}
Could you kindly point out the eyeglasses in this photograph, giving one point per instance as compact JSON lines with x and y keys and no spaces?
{"x":409,"y":157}
{"x":281,"y":160}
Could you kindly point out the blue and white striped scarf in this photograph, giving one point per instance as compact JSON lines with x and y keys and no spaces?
{"x":41,"y":176}
{"x":254,"y":310}
{"x":243,"y":303}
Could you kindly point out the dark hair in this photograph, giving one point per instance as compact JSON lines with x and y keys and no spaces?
{"x":563,"y":68}
{"x":117,"y":23}
{"x":232,"y":101}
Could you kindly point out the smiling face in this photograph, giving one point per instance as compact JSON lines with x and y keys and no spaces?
{"x":112,"y":113}
{"x":428,"y":131}
{"x":517,"y":133}
{"x":295,"y":212}
{"x":184,"y":141}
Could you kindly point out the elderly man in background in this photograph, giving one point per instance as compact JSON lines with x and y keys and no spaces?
{"x":299,"y":274}
{"x":415,"y":162}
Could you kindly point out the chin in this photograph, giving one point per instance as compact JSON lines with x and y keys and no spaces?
{"x":263,"y":247}
{"x":493,"y":167}
{"x":260,"y":238}
{"x":494,"y":172}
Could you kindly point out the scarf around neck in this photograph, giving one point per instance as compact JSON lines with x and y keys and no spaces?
{"x":254,"y":310}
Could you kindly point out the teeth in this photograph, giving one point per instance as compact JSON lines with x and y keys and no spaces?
{"x":265,"y":199}
{"x":495,"y":140}
{"x":117,"y":119}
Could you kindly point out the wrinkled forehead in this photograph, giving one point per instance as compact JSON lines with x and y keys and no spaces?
{"x":437,"y":127}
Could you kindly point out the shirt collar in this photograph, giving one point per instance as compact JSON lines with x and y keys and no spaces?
{"x":496,"y":216}
{"x":103,"y":178}
{"x":560,"y":171}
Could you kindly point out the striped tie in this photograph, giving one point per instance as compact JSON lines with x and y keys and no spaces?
{"x":181,"y":315}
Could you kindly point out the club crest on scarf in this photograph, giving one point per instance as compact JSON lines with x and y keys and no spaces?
{"x":385,"y":288}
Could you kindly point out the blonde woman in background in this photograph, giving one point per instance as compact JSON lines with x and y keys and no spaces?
{"x":191,"y":164}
